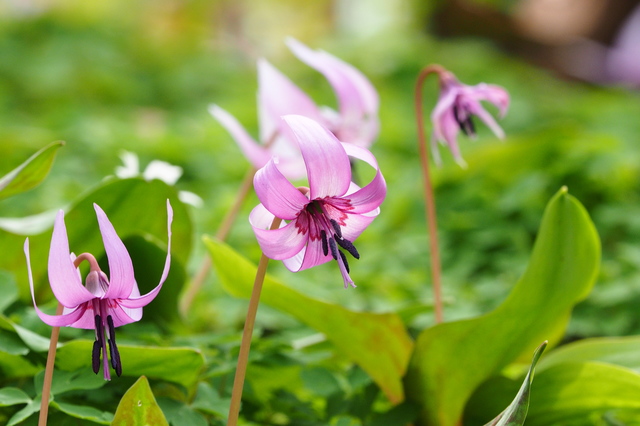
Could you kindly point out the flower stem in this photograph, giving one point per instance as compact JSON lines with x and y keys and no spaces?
{"x":245,"y":345}
{"x":48,"y":371}
{"x":428,"y":192}
{"x":223,"y":232}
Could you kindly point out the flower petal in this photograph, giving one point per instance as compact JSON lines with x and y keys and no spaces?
{"x":277,"y":194}
{"x":277,"y":244}
{"x":65,"y":282}
{"x":121,"y":277}
{"x":133,"y":302}
{"x":328,"y":167}
{"x":122,"y":315}
{"x":443,"y":107}
{"x":52,"y":320}
{"x":372,"y":195}
{"x":476,"y":109}
{"x":491,"y":93}
{"x":278,"y":96}
{"x":312,"y":255}
{"x":255,"y":153}
{"x":357,"y":97}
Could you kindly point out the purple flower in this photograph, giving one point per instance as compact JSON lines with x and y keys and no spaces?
{"x":356,"y":122}
{"x":324,"y":219}
{"x":456,"y":106}
{"x":104,"y":303}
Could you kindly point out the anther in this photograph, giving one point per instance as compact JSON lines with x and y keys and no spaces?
{"x":113,"y":348}
{"x":97,"y":345}
{"x":334,"y":248}
{"x":325,"y":244}
{"x":336,"y":227}
{"x":348,"y":246}
{"x":344,"y":260}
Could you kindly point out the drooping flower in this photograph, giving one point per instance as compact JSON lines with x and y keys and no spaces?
{"x":356,"y":122}
{"x":323,"y":219}
{"x":456,"y":105}
{"x":104,"y":302}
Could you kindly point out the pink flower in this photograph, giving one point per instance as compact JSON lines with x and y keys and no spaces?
{"x":456,"y":106}
{"x":104,"y":302}
{"x":356,"y":122}
{"x":325,"y":218}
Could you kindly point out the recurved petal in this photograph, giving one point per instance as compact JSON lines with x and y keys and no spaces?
{"x":443,"y":108}
{"x":65,"y":282}
{"x":477,"y":109}
{"x":131,"y":301}
{"x":52,"y":320}
{"x":277,"y":194}
{"x":278,"y":96}
{"x":372,"y":195}
{"x":122,"y":315}
{"x":277,"y":244}
{"x":328,"y":167}
{"x":357,"y":223}
{"x":492,"y":93}
{"x":121,"y":277}
{"x":311,"y":256}
{"x":255,"y":153}
{"x":356,"y":95}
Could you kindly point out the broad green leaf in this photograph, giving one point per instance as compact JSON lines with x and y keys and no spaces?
{"x":26,"y":412}
{"x":13,"y":396}
{"x":378,"y":343}
{"x":516,"y":413}
{"x":34,"y":341}
{"x":30,"y":173}
{"x":139,"y":407}
{"x":8,"y":290}
{"x":13,"y":366}
{"x":452,"y":359}
{"x":178,"y":365}
{"x":622,"y":351}
{"x":179,"y":413}
{"x":570,"y":393}
{"x":84,"y":412}
{"x":64,"y":381}
{"x":208,"y":400}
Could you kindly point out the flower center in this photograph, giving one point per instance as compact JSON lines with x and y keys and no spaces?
{"x":463,"y":118}
{"x":325,"y":220}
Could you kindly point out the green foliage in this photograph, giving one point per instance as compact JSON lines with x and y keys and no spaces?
{"x":139,"y":407}
{"x":452,"y":359}
{"x":516,"y":413}
{"x":30,"y":173}
{"x":378,"y":343}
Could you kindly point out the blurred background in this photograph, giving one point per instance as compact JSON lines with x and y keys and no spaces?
{"x":110,"y":76}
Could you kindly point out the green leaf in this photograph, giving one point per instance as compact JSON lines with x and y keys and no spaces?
{"x":26,"y":412}
{"x":13,"y":396}
{"x":178,"y":365}
{"x":622,"y":351}
{"x":452,"y":359}
{"x":84,"y":412}
{"x":139,"y":407}
{"x":30,"y":173}
{"x":571,"y":393}
{"x":516,"y":413}
{"x":34,"y":341}
{"x":64,"y":381}
{"x":178,"y":413}
{"x":208,"y":400}
{"x":14,"y":366}
{"x":8,"y":290}
{"x":378,"y":343}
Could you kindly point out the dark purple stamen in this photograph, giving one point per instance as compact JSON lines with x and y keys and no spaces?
{"x":336,"y":227}
{"x":113,"y":348}
{"x":97,"y":345}
{"x":334,"y":248}
{"x":466,"y":124}
{"x":344,"y":260}
{"x":348,"y":246}
{"x":325,"y":244}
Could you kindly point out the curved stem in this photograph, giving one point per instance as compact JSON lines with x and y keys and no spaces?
{"x":48,"y":371}
{"x":245,"y":345}
{"x":428,"y":192}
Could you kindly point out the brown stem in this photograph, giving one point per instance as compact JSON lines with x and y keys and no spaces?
{"x":428,"y":192}
{"x":245,"y":345}
{"x":48,"y":371}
